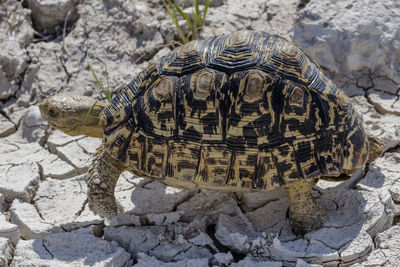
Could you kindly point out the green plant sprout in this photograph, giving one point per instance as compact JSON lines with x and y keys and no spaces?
{"x":195,"y":24}
{"x":107,"y":93}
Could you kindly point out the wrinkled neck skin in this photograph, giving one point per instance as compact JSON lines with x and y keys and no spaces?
{"x":73,"y":115}
{"x":90,"y":122}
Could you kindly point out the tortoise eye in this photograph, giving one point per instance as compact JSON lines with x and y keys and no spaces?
{"x":52,"y":113}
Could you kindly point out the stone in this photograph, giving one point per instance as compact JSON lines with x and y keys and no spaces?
{"x":56,"y":168}
{"x":16,"y":31}
{"x":6,"y":252}
{"x":167,"y":251}
{"x":353,"y":219}
{"x":207,"y":202}
{"x":222,"y":259}
{"x":368,"y":34}
{"x":47,"y":14}
{"x":33,"y":127}
{"x":384,"y":173}
{"x":165,"y":198}
{"x":254,"y":200}
{"x":376,"y":258}
{"x":145,"y":260}
{"x":271,"y":218}
{"x":388,"y":244}
{"x":7,"y":127}
{"x":58,"y":138}
{"x":8,"y":230}
{"x":272,"y":16}
{"x":77,"y":150}
{"x":385,"y":126}
{"x":75,"y":155}
{"x":234,"y":233}
{"x":19,"y":181}
{"x":46,"y":74}
{"x":29,"y":221}
{"x":7,"y":88}
{"x":252,"y":262}
{"x":63,"y":203}
{"x":1,"y":201}
{"x":69,"y":249}
{"x":384,"y":102}
{"x":136,"y":239}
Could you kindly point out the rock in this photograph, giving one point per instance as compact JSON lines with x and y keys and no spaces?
{"x":166,"y":243}
{"x":19,"y":181}
{"x":251,"y":262}
{"x":234,"y":233}
{"x":165,"y":198}
{"x":207,"y":202}
{"x":1,"y":201}
{"x":167,"y":251}
{"x":7,"y":127}
{"x":384,"y":173}
{"x":145,"y":260}
{"x":271,"y":218}
{"x":8,"y":230}
{"x":54,"y":167}
{"x":255,"y":200}
{"x":376,"y":258}
{"x":7,"y":88}
{"x":47,"y":14}
{"x":63,"y":203}
{"x":58,"y":138}
{"x":33,"y":127}
{"x":77,"y":154}
{"x":66,"y":249}
{"x":46,"y":74}
{"x":222,"y":259}
{"x":136,"y":239}
{"x":49,"y":164}
{"x":353,"y":219}
{"x":6,"y":252}
{"x":388,"y":244}
{"x":29,"y":221}
{"x":384,"y":102}
{"x":384,"y":126}
{"x":17,"y":33}
{"x":368,"y":34}
{"x":271,"y":16}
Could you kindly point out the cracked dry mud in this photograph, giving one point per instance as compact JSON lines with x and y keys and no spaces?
{"x":44,"y":217}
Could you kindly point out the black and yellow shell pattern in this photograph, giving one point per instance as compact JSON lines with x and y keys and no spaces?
{"x":242,"y":111}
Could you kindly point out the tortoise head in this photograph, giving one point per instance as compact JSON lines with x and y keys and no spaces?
{"x":74,"y":115}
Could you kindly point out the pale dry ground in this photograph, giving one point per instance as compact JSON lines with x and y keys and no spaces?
{"x":44,"y":219}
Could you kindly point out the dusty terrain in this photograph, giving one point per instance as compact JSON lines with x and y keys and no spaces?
{"x":46,"y":46}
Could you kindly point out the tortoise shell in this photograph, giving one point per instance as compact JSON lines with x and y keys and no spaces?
{"x":241,"y":111}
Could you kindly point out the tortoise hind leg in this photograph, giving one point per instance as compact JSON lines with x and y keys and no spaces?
{"x":102,"y":178}
{"x":305,"y":215}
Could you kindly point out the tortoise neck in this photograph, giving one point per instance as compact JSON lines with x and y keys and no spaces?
{"x":91,"y":121}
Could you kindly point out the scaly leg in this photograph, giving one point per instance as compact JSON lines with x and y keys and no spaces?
{"x":102,"y":178}
{"x":305,"y":214}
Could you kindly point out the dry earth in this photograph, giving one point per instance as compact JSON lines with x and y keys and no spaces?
{"x":44,"y":219}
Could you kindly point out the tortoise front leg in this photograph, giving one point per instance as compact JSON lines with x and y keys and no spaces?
{"x":305,"y":215}
{"x":102,"y":178}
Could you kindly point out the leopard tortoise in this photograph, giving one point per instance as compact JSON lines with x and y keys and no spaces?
{"x":246,"y":111}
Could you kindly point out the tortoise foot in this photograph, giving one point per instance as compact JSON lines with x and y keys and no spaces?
{"x":305,"y":217}
{"x":103,"y":205}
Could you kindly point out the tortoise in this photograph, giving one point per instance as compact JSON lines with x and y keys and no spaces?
{"x":246,"y":111}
